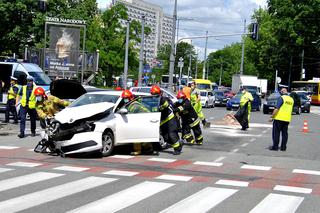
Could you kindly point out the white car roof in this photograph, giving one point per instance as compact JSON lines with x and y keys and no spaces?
{"x":118,"y":93}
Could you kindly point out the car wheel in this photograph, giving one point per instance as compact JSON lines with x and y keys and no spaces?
{"x":265,"y":110}
{"x":107,"y":143}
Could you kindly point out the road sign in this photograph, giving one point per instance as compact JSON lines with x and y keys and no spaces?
{"x":180,"y":64}
{"x":153,"y":76}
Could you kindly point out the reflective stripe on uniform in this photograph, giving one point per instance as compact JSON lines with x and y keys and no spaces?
{"x":187,"y":136}
{"x":176,"y":145}
{"x":167,"y":119}
{"x":199,"y":138}
{"x":180,"y":108}
{"x":285,"y":111}
{"x":11,"y":93}
{"x":164,"y":105}
{"x":194,"y":123}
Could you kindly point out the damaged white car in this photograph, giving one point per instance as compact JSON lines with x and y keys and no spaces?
{"x":99,"y":121}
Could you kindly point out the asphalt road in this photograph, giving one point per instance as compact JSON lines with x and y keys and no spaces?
{"x":232,"y":172}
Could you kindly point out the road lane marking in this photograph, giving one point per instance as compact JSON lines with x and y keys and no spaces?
{"x":120,"y":173}
{"x":9,"y":147}
{"x":26,"y":179}
{"x":235,"y":150}
{"x":292,"y":189}
{"x":260,"y":125}
{"x":245,"y":144}
{"x":252,"y":139}
{"x":309,"y":172}
{"x":125,"y":198}
{"x":71,"y":168}
{"x":232,"y":183}
{"x":219,"y":159}
{"x":264,"y":168}
{"x":40,"y":197}
{"x":174,"y":177}
{"x":5,"y":170}
{"x":277,"y":203}
{"x":166,"y":160}
{"x":24,"y":164}
{"x":122,"y":156}
{"x":201,"y":201}
{"x":203,"y":163}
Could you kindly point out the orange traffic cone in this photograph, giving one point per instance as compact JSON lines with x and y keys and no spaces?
{"x":305,"y":126}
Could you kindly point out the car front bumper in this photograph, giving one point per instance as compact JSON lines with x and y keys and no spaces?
{"x":81,"y":143}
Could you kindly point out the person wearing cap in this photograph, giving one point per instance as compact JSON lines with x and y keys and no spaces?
{"x":195,"y":101}
{"x":246,"y":98}
{"x":11,"y":100}
{"x":281,"y":117}
{"x":28,"y":105}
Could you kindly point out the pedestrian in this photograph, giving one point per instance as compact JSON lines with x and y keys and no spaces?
{"x":189,"y":119}
{"x":281,"y":117}
{"x":28,"y":105}
{"x":168,"y":121}
{"x":11,"y":101}
{"x":195,"y":101}
{"x":245,"y":101}
{"x":136,"y":107}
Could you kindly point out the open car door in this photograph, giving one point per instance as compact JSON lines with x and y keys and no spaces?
{"x":138,"y":121}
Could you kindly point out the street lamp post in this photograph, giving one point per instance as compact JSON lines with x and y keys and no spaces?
{"x":205,"y":58}
{"x":172,"y":57}
{"x":125,"y":71}
{"x":180,"y":65}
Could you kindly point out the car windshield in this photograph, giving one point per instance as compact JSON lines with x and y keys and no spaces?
{"x":203,"y":86}
{"x":274,"y":96}
{"x":203,"y":93}
{"x":93,"y":99}
{"x":40,"y":78}
{"x":219,"y":93}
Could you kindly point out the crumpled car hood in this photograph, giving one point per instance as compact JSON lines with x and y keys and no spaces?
{"x":72,"y":114}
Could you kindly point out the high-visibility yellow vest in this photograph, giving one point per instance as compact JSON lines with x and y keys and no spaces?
{"x":285,"y":111}
{"x":32,"y":99}
{"x":11,"y":94}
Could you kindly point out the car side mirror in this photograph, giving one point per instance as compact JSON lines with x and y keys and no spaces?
{"x":123,"y":111}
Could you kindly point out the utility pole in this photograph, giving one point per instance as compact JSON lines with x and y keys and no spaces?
{"x":189,"y":68}
{"x":196,"y":74}
{"x":141,"y":52}
{"x":125,"y":70}
{"x":242,"y":52}
{"x":220,"y":74}
{"x":172,"y":57}
{"x":205,"y":57}
{"x":302,"y":75}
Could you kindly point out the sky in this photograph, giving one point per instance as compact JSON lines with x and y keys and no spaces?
{"x":215,"y":16}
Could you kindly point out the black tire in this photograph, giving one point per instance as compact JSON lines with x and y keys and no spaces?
{"x":107,"y":143}
{"x":265,"y":110}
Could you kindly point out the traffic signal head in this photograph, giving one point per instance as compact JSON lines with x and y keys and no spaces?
{"x":254,"y":31}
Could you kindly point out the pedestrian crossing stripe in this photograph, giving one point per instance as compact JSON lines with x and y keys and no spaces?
{"x":125,"y":198}
{"x":277,"y":203}
{"x":26,"y":179}
{"x":205,"y":199}
{"x":201,"y":201}
{"x":71,"y":168}
{"x":5,"y":170}
{"x":9,"y":147}
{"x":24,"y":164}
{"x":50,"y":194}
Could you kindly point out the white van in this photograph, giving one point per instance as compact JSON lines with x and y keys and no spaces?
{"x":21,"y":71}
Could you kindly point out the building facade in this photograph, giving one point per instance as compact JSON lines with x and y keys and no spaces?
{"x":159,"y":23}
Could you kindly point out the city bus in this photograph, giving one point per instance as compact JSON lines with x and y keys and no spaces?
{"x":311,"y":86}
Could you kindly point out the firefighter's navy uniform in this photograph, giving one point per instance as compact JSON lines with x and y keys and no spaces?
{"x":190,"y":121}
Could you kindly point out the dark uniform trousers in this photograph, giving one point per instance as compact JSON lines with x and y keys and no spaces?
{"x":169,"y":131}
{"x":10,"y":107}
{"x":23,"y":114}
{"x":280,"y":127}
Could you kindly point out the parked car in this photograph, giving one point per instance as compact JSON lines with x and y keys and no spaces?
{"x":305,"y":103}
{"x":207,"y":98}
{"x":166,"y":93}
{"x":221,"y":100}
{"x":271,"y":102}
{"x":234,"y":103}
{"x":99,"y":121}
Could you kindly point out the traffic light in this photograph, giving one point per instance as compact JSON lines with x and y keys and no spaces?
{"x":254,"y":31}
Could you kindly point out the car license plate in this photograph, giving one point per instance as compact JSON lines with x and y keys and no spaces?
{"x":235,"y":105}
{"x":271,"y":107}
